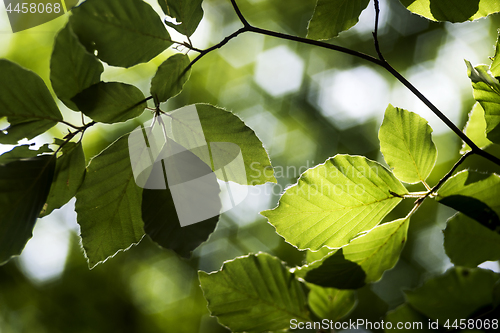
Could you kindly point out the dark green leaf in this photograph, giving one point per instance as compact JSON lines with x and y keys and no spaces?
{"x":21,"y":152}
{"x":334,"y":16}
{"x":111,"y":102}
{"x":255,"y":293}
{"x":452,"y":10}
{"x":69,"y":174}
{"x":26,"y":102}
{"x":72,"y":68}
{"x":183,"y":218}
{"x":474,"y":194}
{"x":162,"y":224}
{"x":468,"y":243}
{"x":170,"y":77}
{"x":412,"y":320}
{"x":335,"y":201}
{"x":123,"y":32}
{"x":487,"y":93}
{"x":187,"y":14}
{"x":334,"y":271}
{"x":24,"y":187}
{"x":330,"y":303}
{"x":456,"y":294}
{"x":495,"y":64}
{"x":108,"y":204}
{"x":406,"y":142}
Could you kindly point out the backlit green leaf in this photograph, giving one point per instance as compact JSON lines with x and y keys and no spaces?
{"x":333,"y":271}
{"x":374,"y":252}
{"x":108,"y":204}
{"x":335,"y":201}
{"x":187,"y":14}
{"x":72,"y":68}
{"x":330,"y":303}
{"x":474,"y":194}
{"x":21,"y":152}
{"x":334,"y":16}
{"x":456,"y":294}
{"x":475,"y":129}
{"x":111,"y":102}
{"x":255,"y":293}
{"x":69,"y":174}
{"x":26,"y":102}
{"x":452,"y":10}
{"x":170,"y":77}
{"x":468,"y":243}
{"x":406,"y":142}
{"x":123,"y":32}
{"x":487,"y":93}
{"x":24,"y":186}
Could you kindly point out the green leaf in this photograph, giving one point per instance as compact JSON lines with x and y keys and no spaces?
{"x":161,"y":213}
{"x":187,"y":14}
{"x":22,"y":152}
{"x":108,"y":204}
{"x":374,"y":252}
{"x":452,"y":10}
{"x":474,"y":194}
{"x":228,"y":137}
{"x":468,"y":243}
{"x":26,"y":102}
{"x":24,"y":186}
{"x":111,"y":102}
{"x":331,"y":17}
{"x":123,"y":32}
{"x":412,"y":320}
{"x":407,"y":146}
{"x":475,"y":129}
{"x":329,"y":303}
{"x":72,"y":68}
{"x":170,"y":77}
{"x":456,"y":294}
{"x":487,"y":93}
{"x":69,"y":174}
{"x":254,"y":293}
{"x":334,"y":201}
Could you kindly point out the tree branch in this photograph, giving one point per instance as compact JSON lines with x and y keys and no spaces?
{"x":447,"y":176}
{"x":377,"y":61}
{"x":375,"y":32}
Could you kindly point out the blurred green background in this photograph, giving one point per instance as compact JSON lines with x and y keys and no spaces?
{"x":306,"y":104}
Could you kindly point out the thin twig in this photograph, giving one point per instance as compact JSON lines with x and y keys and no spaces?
{"x":375,"y":32}
{"x":447,"y":176}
